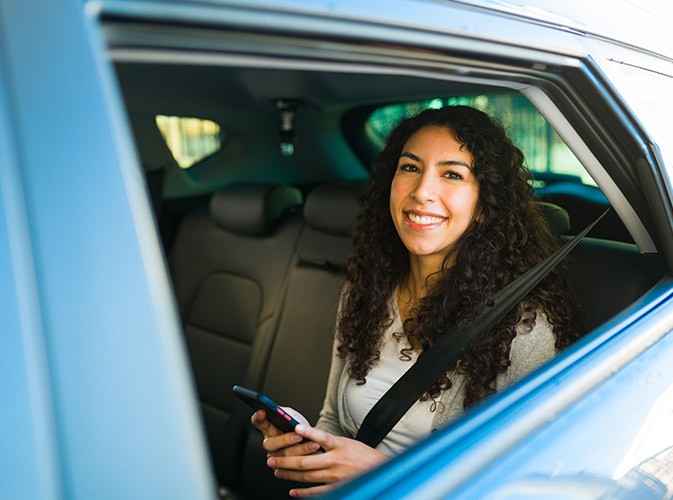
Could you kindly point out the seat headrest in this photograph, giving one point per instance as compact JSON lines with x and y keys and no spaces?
{"x":557,"y":217}
{"x":333,"y":208}
{"x":253,"y":209}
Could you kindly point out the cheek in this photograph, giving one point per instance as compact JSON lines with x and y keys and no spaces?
{"x":465,"y":203}
{"x":396,"y":194}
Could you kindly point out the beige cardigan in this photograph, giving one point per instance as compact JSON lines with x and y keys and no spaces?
{"x":529,"y":350}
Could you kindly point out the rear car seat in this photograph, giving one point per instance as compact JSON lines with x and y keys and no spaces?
{"x":300,"y":357}
{"x":229,"y":266}
{"x":584,"y":204}
{"x":607,"y":275}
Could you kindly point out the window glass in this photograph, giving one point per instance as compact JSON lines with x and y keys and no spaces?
{"x":544,"y":150}
{"x":190,"y":139}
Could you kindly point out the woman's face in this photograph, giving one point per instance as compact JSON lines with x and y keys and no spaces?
{"x":434,"y":194}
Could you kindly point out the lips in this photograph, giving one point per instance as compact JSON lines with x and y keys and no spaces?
{"x":423,"y":220}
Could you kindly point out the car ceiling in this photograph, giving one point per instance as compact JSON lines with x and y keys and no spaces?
{"x":242,"y":99}
{"x":199,"y":88}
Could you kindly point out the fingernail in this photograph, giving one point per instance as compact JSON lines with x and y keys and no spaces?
{"x":300,"y":428}
{"x":313,"y":446}
{"x":278,"y":473}
{"x":271,"y":462}
{"x":296,"y":438}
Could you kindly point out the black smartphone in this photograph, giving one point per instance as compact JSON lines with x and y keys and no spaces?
{"x":274,"y":413}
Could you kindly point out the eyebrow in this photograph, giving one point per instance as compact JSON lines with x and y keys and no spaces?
{"x":445,"y":163}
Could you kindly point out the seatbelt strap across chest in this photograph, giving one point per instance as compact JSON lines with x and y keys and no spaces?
{"x":436,"y":360}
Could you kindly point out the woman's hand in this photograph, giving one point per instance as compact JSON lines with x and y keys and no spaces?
{"x":278,"y":443}
{"x":342,"y":459}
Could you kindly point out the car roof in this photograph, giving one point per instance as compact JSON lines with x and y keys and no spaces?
{"x":642,"y":24}
{"x":639,"y":24}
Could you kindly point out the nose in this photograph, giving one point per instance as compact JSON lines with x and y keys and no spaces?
{"x":425,"y":190}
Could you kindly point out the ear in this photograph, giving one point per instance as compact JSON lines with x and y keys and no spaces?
{"x":479,"y":214}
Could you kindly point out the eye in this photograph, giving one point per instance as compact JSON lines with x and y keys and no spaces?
{"x":408,"y":167}
{"x":452,"y":175}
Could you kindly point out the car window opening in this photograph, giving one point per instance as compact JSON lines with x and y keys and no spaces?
{"x":251,"y":246}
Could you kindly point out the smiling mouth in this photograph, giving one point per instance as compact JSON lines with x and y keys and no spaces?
{"x":424,"y":220}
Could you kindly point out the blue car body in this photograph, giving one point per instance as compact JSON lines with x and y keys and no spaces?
{"x":95,"y":382}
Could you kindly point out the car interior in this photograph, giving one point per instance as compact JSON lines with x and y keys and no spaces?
{"x":257,"y":230}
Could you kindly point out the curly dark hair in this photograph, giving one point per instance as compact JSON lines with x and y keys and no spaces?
{"x":509,"y":237}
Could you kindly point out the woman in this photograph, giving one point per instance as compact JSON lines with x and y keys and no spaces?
{"x":447,"y":220}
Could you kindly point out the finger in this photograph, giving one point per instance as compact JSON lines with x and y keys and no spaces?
{"x":315,"y":468}
{"x":300,"y":476}
{"x":313,"y":491}
{"x":325,"y":439}
{"x":308,"y":475}
{"x":274,"y":445}
{"x":267,"y":429}
{"x":258,"y":420}
{"x":305,"y":448}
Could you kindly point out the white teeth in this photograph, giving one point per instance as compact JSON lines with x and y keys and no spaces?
{"x":417,"y":219}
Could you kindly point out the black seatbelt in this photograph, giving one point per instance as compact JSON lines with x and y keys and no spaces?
{"x":435,"y":361}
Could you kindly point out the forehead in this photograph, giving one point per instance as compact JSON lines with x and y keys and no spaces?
{"x":435,"y":139}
